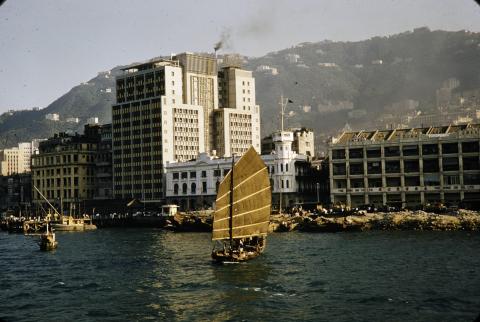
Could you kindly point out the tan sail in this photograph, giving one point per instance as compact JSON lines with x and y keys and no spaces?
{"x":251,"y":200}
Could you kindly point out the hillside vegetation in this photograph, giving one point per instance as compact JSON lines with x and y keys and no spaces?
{"x":330,"y":83}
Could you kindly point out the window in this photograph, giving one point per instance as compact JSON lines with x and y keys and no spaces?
{"x":429,"y":149}
{"x":392,"y":151}
{"x":184,"y":188}
{"x":374,"y":167}
{"x":184,"y":175}
{"x":339,"y":169}
{"x":355,"y":153}
{"x":175,"y":175}
{"x":175,"y":189}
{"x":410,"y":150}
{"x":338,"y":154}
{"x":204,"y":174}
{"x":204,"y":187}
{"x":448,"y":148}
{"x":193,"y":188}
{"x":450,"y":164}
{"x":374,"y":153}
{"x":216,"y":173}
{"x":193,"y":174}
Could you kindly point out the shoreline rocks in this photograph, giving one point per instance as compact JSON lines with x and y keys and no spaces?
{"x":402,"y":220}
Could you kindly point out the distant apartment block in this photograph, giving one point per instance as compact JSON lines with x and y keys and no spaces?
{"x":17,"y":159}
{"x":92,"y":120}
{"x":72,"y":120}
{"x":406,"y":167}
{"x":52,"y":117}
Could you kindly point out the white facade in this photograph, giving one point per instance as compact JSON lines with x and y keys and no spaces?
{"x":92,"y":120}
{"x":199,"y":178}
{"x":52,"y":117}
{"x":17,"y":159}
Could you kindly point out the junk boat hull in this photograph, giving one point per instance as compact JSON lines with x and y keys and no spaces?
{"x":239,"y":254}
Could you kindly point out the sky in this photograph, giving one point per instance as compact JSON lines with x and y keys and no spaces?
{"x":49,"y":46}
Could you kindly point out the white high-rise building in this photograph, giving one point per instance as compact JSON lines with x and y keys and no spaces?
{"x":238,"y":118}
{"x":17,"y":159}
{"x":167,"y":111}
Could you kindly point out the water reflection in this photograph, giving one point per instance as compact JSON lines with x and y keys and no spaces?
{"x":240,"y":286}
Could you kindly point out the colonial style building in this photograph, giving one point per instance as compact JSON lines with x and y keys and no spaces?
{"x":170,"y":110}
{"x":406,"y":167}
{"x":64,"y":170}
{"x":303,"y":142}
{"x":193,"y":184}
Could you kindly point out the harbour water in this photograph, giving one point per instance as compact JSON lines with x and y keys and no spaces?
{"x":149,"y":274}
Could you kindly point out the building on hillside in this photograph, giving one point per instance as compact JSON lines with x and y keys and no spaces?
{"x":52,"y":117}
{"x":406,"y":167}
{"x":171,"y":111}
{"x":64,"y":168}
{"x":193,"y":184}
{"x":92,"y":120}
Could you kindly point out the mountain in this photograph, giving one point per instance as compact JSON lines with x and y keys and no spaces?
{"x":359,"y":84}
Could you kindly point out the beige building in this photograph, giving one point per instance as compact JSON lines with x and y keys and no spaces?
{"x":303,"y":141}
{"x":237,"y":121}
{"x":17,"y":159}
{"x":167,"y":111}
{"x":406,"y":167}
{"x":64,"y":168}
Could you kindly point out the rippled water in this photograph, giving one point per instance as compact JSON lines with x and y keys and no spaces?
{"x":142,"y":274}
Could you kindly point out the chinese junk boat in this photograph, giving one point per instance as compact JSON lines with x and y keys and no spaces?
{"x":242,"y":213}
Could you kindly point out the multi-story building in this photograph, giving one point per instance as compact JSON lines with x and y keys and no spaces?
{"x":303,"y":142}
{"x":16,"y":192}
{"x":9,"y":161}
{"x":103,"y":164}
{"x":64,"y":168}
{"x":193,"y":184}
{"x":406,"y":167}
{"x":237,"y":121}
{"x":17,"y":159}
{"x":167,"y":110}
{"x":152,"y":126}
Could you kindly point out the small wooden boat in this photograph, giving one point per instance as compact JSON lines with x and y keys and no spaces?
{"x":47,"y":240}
{"x":242,"y":211}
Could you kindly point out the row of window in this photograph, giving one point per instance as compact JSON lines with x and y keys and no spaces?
{"x":432,"y":179}
{"x":406,"y":150}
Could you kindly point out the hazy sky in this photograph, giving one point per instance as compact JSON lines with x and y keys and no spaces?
{"x":49,"y":46}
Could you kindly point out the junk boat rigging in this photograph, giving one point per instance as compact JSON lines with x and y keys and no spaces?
{"x":242,"y":212}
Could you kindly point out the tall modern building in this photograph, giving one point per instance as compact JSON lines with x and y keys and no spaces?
{"x":166,"y":111}
{"x":237,"y":120}
{"x":406,"y":167}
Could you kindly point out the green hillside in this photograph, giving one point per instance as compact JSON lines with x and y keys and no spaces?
{"x":330,"y":83}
